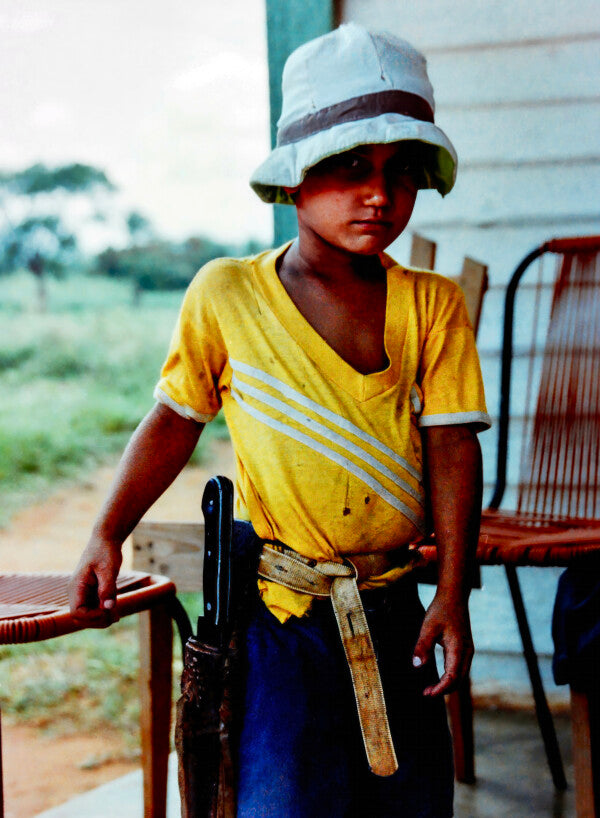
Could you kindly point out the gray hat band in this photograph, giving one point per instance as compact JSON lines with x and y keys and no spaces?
{"x":355,"y":109}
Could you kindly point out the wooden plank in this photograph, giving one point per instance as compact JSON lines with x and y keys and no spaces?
{"x":422,"y":252}
{"x":173,"y":549}
{"x":426,"y":23}
{"x":473,"y":279}
{"x":521,"y":73}
{"x":474,"y":282}
{"x":460,"y":715}
{"x":543,"y":133}
{"x":513,"y":197}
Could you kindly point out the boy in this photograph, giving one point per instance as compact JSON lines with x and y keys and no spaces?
{"x":346,"y":381}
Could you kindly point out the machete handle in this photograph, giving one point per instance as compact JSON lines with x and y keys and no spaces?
{"x":217,"y":507}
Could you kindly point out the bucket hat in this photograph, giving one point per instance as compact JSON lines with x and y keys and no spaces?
{"x":353,"y":87}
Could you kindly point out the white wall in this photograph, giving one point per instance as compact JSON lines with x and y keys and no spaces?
{"x":517,"y":90}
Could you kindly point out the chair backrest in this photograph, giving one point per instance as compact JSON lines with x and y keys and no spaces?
{"x":554,"y":385}
{"x":422,"y":252}
{"x":174,"y":549}
{"x":473,"y":278}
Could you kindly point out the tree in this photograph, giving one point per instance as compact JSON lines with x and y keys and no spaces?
{"x":140,"y":228}
{"x":36,"y":234}
{"x":159,"y":264}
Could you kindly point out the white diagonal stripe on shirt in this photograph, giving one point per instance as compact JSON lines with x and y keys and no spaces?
{"x":338,"y":420}
{"x":327,"y":433}
{"x":366,"y":478}
{"x":414,"y":398}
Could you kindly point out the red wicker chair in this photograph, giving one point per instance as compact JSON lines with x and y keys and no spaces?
{"x":34,"y":607}
{"x":555,"y":514}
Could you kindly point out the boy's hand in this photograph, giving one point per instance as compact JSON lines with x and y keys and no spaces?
{"x":448,"y":624}
{"x":156,"y":453}
{"x":455,"y":480}
{"x":92,"y":589}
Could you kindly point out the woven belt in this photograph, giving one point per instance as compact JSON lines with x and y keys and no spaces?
{"x":338,"y":581}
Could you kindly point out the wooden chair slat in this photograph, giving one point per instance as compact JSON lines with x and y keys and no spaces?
{"x":175,"y":549}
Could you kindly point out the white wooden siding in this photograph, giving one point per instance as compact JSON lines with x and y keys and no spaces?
{"x":517,"y":90}
{"x":445,"y":24}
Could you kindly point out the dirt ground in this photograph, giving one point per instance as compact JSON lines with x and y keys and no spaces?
{"x":42,"y":771}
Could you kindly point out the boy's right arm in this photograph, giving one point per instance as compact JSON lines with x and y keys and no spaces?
{"x":158,"y":450}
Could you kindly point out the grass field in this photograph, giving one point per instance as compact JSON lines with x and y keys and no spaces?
{"x":75,"y":381}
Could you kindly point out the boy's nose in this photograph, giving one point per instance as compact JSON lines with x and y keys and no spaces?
{"x":377,"y":191}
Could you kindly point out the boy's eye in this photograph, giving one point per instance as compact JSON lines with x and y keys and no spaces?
{"x":353,"y":163}
{"x":401,"y":166}
{"x":348,"y":164}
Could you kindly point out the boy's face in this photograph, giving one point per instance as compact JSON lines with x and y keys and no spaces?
{"x":359,"y":200}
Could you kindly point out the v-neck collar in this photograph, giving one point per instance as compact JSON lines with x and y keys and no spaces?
{"x":360,"y":386}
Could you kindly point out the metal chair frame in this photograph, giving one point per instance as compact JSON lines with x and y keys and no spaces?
{"x":559,"y":246}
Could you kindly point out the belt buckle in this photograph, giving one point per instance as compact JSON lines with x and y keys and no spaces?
{"x":348,"y":562}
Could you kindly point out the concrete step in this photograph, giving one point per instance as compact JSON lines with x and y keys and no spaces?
{"x":121,"y":798}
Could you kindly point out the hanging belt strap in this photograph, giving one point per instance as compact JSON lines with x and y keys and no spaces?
{"x":338,"y":581}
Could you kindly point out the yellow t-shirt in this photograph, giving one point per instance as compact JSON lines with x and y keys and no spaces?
{"x":329,"y":461}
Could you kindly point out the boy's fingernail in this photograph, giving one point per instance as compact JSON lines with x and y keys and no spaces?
{"x":108,"y":604}
{"x":417,"y":661}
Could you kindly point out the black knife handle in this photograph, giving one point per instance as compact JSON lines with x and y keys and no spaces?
{"x":217,"y":507}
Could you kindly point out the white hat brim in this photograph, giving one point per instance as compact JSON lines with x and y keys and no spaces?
{"x":286,"y":166}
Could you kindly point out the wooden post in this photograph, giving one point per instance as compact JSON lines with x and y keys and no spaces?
{"x":584,"y":726}
{"x":156,"y":658}
{"x":460,"y":714}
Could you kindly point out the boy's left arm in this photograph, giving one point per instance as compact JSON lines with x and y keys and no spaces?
{"x":455,"y":486}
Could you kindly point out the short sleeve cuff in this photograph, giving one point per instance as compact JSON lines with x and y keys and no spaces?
{"x":184,"y":411}
{"x":481,"y":419}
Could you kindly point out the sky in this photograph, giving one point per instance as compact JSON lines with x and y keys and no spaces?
{"x":169,"y":99}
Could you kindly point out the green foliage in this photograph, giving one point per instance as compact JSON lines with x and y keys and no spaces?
{"x":71,"y":296}
{"x":138,"y":225}
{"x":159,"y":264}
{"x":11,"y":358}
{"x":75,"y":383}
{"x":84,"y":681}
{"x":73,"y":178}
{"x":41,"y":241}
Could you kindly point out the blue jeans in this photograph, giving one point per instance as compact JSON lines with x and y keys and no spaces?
{"x":301,"y":753}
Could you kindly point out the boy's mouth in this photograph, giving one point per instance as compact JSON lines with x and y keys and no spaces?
{"x":373,"y":223}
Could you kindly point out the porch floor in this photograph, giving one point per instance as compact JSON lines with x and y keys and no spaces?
{"x":512,"y":777}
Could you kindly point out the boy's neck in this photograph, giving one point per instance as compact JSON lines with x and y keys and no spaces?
{"x":343,"y":297}
{"x":329,"y":264}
